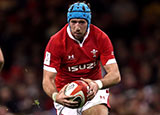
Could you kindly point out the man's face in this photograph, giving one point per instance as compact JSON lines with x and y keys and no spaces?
{"x":78,"y":28}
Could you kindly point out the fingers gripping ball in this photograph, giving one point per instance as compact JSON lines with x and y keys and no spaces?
{"x":79,"y":89}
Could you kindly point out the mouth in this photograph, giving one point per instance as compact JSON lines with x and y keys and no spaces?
{"x":77,"y":33}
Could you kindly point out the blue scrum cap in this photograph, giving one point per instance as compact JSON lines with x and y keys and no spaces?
{"x":79,"y":10}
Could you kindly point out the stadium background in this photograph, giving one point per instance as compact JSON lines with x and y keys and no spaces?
{"x":133,"y":27}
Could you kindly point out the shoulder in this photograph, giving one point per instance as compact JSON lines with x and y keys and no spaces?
{"x":57,"y":41}
{"x":59,"y":37}
{"x":60,"y":34}
{"x":100,"y":35}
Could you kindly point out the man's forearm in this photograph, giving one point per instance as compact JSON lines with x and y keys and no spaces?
{"x":49,"y":88}
{"x":48,"y":83}
{"x":111,"y":79}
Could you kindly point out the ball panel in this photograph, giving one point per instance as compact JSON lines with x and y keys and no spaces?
{"x":76,"y":90}
{"x":70,"y":88}
{"x":80,"y":98}
{"x":84,"y":87}
{"x":79,"y":89}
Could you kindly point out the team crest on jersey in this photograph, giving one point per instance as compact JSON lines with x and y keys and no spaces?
{"x":71,"y":57}
{"x":94,"y":51}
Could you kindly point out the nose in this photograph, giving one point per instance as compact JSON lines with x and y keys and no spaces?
{"x":77,"y":27}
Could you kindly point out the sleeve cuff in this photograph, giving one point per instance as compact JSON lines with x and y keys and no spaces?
{"x":50,"y":69}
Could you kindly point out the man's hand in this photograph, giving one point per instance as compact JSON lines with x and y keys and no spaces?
{"x":93,"y":88}
{"x":64,"y":100}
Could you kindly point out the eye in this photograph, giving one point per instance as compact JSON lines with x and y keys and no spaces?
{"x":81,"y":22}
{"x":73,"y":21}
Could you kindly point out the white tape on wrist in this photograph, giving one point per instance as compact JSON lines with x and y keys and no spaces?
{"x":54,"y":96}
{"x":99,"y":83}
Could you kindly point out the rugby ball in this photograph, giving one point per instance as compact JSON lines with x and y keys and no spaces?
{"x":79,"y":89}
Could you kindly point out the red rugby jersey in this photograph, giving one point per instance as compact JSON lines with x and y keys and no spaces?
{"x":73,"y":60}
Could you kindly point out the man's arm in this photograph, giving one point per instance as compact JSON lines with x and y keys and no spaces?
{"x":112,"y":77}
{"x":1,"y":60}
{"x":48,"y":82}
{"x":50,"y":88}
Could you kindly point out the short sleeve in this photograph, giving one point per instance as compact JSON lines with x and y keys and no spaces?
{"x":106,"y":48}
{"x":52,"y":57}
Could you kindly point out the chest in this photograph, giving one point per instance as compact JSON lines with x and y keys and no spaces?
{"x":76,"y":54}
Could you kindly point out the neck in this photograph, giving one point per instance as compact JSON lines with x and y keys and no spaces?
{"x":80,"y":39}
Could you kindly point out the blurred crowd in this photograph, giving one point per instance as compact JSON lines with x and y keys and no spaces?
{"x":133,"y":27}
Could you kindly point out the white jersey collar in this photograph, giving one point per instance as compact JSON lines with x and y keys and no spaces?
{"x":71,"y":36}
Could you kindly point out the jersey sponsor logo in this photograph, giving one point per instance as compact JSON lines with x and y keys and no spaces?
{"x":94,"y":51}
{"x":47,"y":58}
{"x":82,"y":67}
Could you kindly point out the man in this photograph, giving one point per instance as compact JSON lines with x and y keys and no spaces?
{"x":1,"y":60}
{"x":75,"y":53}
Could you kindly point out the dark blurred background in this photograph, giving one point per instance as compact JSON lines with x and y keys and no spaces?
{"x":133,"y":27}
